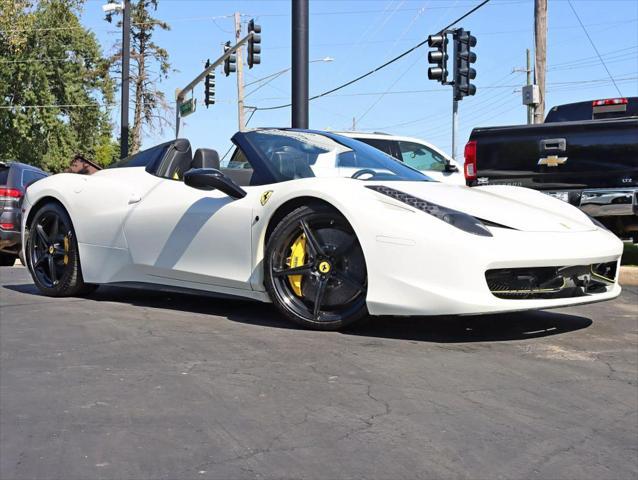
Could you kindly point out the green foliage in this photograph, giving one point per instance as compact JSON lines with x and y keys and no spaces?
{"x":56,"y":84}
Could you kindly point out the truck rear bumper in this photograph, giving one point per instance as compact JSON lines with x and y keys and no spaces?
{"x":610,"y":202}
{"x":9,"y":241}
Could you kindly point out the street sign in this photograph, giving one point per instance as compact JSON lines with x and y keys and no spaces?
{"x":187,"y":107}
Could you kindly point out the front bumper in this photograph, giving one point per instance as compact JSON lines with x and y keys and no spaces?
{"x":448,"y":276}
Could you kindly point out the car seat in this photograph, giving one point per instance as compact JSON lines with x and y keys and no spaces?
{"x":205,"y":158}
{"x":177,"y":160}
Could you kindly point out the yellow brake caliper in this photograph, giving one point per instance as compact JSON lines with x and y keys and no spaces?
{"x":66,"y":250}
{"x":297,"y":259}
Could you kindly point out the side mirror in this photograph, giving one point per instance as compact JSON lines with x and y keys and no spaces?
{"x":450,"y":168}
{"x":213,"y":179}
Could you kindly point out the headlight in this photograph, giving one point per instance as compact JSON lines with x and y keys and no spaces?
{"x":460,"y":220}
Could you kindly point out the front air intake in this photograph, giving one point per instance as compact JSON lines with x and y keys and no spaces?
{"x":551,"y":282}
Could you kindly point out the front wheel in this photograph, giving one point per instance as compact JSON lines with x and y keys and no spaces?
{"x":52,"y":254}
{"x":314,"y":269}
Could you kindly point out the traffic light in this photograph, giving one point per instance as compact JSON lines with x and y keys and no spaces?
{"x":438,"y":57}
{"x":209,"y":87}
{"x":254,"y":44}
{"x":464,"y":57}
{"x":230,"y":63}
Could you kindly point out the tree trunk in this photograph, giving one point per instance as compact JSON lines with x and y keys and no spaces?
{"x":136,"y":131}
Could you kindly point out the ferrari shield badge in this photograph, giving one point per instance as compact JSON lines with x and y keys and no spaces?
{"x":265,"y":197}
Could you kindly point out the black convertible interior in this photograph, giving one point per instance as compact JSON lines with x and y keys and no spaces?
{"x":173,"y":159}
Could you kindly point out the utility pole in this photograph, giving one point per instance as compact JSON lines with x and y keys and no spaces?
{"x":300,"y":88}
{"x":240,"y":75}
{"x":528,"y":70}
{"x":529,"y":89}
{"x":540,"y":55}
{"x":126,"y":61}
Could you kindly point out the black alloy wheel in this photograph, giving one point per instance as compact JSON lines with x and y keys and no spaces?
{"x":325,"y":287}
{"x":52,"y":253}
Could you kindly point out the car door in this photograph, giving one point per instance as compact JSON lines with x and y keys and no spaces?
{"x":193,"y":237}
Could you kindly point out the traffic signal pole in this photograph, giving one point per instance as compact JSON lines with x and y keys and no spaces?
{"x":299,"y":88}
{"x":455,"y":102}
{"x":240,"y":76}
{"x":181,"y":95}
{"x":462,"y":70}
{"x":455,"y":125}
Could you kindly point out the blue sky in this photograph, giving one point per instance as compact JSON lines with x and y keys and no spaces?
{"x":362,"y":34}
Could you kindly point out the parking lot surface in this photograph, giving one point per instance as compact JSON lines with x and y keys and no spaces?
{"x":133,"y":385}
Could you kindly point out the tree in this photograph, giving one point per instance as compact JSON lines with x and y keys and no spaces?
{"x":55,"y":86}
{"x":150,"y":66}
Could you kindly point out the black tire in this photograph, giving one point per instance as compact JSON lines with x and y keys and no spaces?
{"x":333,"y":275}
{"x":52,"y":254}
{"x":7,"y":259}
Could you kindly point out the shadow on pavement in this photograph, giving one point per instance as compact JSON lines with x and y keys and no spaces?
{"x":440,"y":329}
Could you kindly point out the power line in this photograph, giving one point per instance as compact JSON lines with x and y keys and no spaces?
{"x":389,"y":62}
{"x":620,"y":54}
{"x":594,"y":46}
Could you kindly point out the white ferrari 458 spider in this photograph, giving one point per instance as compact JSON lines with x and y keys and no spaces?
{"x":327,"y":228}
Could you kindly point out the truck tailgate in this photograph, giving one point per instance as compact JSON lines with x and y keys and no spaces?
{"x":559,"y":156}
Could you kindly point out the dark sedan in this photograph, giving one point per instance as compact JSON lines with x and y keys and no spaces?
{"x":15,"y":177}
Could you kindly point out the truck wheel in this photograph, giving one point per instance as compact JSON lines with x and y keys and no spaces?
{"x":7,"y":259}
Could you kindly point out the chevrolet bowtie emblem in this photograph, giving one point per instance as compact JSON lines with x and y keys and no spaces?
{"x":552,"y":161}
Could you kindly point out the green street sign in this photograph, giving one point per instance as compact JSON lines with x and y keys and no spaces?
{"x":187,"y":107}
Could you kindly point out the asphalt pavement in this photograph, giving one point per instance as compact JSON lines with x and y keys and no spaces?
{"x":140,"y":385}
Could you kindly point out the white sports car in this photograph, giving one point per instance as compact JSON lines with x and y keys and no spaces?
{"x":327,"y":228}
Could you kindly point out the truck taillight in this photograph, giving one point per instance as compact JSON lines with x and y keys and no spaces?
{"x":470,"y":160}
{"x":610,"y":101}
{"x":10,"y":192}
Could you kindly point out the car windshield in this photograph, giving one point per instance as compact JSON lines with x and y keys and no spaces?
{"x":292,"y":154}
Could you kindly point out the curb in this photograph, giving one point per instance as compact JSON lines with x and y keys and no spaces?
{"x":628,"y":276}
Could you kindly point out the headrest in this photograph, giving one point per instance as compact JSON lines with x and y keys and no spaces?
{"x":205,"y":158}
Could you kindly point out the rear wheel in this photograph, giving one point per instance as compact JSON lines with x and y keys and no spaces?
{"x":315,"y":271}
{"x":7,"y":259}
{"x":52,"y":254}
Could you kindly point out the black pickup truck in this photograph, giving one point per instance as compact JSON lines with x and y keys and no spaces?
{"x":585,"y":153}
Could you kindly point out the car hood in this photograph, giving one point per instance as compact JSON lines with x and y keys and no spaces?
{"x":518,"y":208}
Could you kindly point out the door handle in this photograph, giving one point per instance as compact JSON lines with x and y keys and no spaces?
{"x":134,"y":198}
{"x":554,"y":144}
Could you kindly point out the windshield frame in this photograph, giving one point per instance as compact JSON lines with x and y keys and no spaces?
{"x":267,"y":174}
